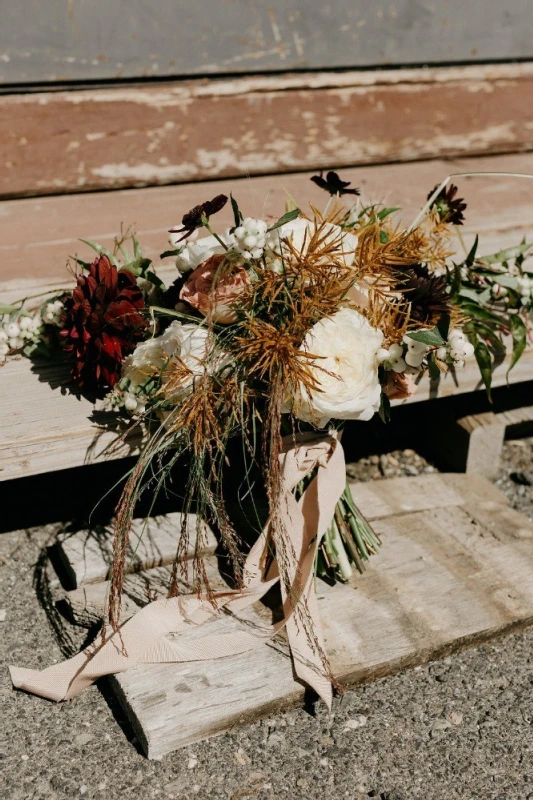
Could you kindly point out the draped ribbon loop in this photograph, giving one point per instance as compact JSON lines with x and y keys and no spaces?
{"x":144,"y":638}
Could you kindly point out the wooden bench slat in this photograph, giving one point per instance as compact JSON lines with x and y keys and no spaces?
{"x":34,"y":435}
{"x":87,"y":604}
{"x":500,"y":210}
{"x":109,"y":138}
{"x":57,"y":430}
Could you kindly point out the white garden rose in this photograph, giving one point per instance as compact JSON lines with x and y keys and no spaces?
{"x":346,"y":370}
{"x":188,"y":342}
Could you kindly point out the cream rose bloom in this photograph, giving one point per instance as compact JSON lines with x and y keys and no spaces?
{"x":346,"y":370}
{"x":185,"y":341}
{"x":188,"y":343}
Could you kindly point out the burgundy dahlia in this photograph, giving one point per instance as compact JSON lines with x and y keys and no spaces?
{"x":103,"y":322}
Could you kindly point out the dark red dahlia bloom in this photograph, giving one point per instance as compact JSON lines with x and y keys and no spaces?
{"x":103,"y":322}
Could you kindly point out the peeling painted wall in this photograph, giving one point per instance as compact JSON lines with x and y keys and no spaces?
{"x":44,"y":41}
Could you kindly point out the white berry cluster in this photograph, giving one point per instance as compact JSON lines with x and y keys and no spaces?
{"x":16,"y":333}
{"x":52,"y":312}
{"x":407,"y":357}
{"x":525,"y":287}
{"x":129,"y":393}
{"x":457,"y":349}
{"x":251,"y":237}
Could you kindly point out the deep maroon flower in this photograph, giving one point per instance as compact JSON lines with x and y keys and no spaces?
{"x":193,"y":219}
{"x":333,"y":184}
{"x":102,"y":324}
{"x":427,"y":294}
{"x":449,"y":207}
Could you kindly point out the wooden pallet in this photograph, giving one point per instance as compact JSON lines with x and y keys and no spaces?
{"x":455,"y":569}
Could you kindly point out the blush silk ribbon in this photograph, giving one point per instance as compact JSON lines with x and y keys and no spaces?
{"x":142,"y":639}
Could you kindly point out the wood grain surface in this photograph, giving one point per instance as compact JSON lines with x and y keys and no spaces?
{"x":446,"y":577}
{"x":84,"y":558}
{"x":146,"y":135}
{"x":38,"y":234}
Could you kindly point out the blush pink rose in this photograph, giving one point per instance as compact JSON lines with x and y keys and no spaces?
{"x":216,"y":302}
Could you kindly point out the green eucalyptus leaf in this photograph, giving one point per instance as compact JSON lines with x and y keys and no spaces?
{"x":481,"y":298}
{"x":138,"y":267}
{"x":471,"y":257}
{"x":36,"y":350}
{"x":478,"y":312}
{"x":168,"y":253}
{"x":488,"y":333}
{"x":504,"y":255}
{"x":287,"y":217}
{"x":169,"y":312}
{"x":101,"y":250}
{"x":385,"y":408}
{"x":519,"y":335}
{"x":155,"y":279}
{"x":506,"y":280}
{"x":434,"y":371}
{"x":455,"y":280}
{"x":484,"y":360}
{"x":443,"y":326}
{"x":429,"y":337}
{"x":8,"y":309}
{"x":386,"y":212}
{"x":83,"y":264}
{"x":237,"y":216}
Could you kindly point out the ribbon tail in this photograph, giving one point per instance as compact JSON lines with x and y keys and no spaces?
{"x":308,"y":520}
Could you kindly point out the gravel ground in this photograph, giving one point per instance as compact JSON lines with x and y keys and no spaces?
{"x":458,"y":728}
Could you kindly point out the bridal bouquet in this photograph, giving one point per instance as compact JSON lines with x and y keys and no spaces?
{"x":273,"y":333}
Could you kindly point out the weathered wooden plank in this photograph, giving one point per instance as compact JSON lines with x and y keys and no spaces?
{"x":87,"y":604}
{"x":76,"y":41}
{"x":474,"y":443}
{"x":86,"y":556}
{"x":443,"y":580}
{"x":502,"y":216}
{"x":393,"y":497}
{"x":145,"y":135}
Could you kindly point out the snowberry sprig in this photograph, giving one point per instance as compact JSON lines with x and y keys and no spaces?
{"x":251,"y":237}
{"x":406,"y":357}
{"x":457,"y":349}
